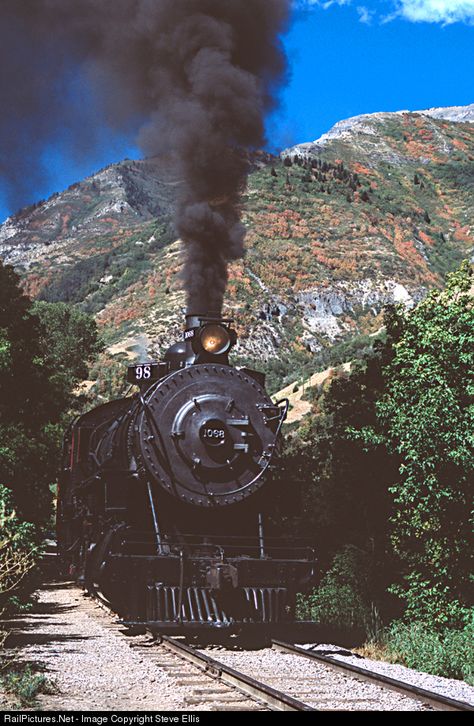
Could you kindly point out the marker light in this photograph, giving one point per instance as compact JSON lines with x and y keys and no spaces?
{"x":215,"y":339}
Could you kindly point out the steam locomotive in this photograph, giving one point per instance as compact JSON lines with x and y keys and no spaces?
{"x":164,"y":495}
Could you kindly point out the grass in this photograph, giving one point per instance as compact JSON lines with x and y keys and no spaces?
{"x":449,"y":654}
{"x":23,"y":685}
{"x":373,"y":650}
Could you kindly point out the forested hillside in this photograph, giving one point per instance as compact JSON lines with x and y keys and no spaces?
{"x":376,"y":212}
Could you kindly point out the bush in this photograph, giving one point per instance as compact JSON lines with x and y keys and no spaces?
{"x":18,"y":554}
{"x":18,"y":575}
{"x":449,"y":653}
{"x":345,"y":596}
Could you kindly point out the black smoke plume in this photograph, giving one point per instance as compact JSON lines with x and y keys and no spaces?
{"x":195,"y":77}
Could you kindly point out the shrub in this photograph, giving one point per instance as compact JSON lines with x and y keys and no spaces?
{"x":20,"y":682}
{"x":449,"y":653}
{"x":18,"y":554}
{"x":345,"y":597}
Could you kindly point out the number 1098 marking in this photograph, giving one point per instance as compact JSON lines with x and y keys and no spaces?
{"x":214,"y":434}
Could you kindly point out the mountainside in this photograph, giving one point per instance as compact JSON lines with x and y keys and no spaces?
{"x":378,"y":210}
{"x":367,"y":124}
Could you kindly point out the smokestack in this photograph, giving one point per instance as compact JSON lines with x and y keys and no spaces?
{"x":195,"y":76}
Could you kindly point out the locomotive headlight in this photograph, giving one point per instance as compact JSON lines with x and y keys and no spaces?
{"x":215,"y":339}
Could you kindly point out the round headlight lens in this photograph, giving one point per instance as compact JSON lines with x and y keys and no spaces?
{"x":215,"y":339}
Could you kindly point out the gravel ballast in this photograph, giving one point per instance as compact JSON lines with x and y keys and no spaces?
{"x":92,"y":667}
{"x":449,"y":687}
{"x":326,"y":689}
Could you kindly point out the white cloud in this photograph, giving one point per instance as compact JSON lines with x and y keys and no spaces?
{"x":325,"y":4}
{"x":437,"y":11}
{"x":416,"y":11}
{"x":365,"y":15}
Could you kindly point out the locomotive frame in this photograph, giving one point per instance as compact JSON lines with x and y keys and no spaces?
{"x":164,"y":495}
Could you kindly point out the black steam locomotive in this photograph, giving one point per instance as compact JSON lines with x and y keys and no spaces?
{"x":164,"y":495}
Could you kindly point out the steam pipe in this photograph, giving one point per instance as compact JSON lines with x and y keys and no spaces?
{"x":156,"y":526}
{"x":261,"y":542}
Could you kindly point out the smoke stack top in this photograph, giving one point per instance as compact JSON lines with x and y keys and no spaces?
{"x":196,"y":76}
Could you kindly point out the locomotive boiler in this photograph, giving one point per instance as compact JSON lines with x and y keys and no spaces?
{"x":165,"y":495}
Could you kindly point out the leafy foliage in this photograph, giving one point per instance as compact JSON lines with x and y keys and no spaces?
{"x":449,"y":653}
{"x":347,"y":494}
{"x":348,"y":593}
{"x":69,"y":341}
{"x":388,"y":454}
{"x":24,"y":685}
{"x":343,"y":486}
{"x":428,"y":415}
{"x":42,"y":357}
{"x":18,"y":552}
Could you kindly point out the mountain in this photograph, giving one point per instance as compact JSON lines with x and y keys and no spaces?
{"x":367,"y":125}
{"x":115,"y":201}
{"x":377,"y":210}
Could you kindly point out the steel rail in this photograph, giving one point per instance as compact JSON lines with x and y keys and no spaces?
{"x":245,"y":684}
{"x":443,"y":703}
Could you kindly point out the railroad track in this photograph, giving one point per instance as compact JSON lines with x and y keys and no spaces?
{"x":284,"y":677}
{"x":231,"y":690}
{"x":330,"y":684}
{"x":210,"y":682}
{"x":436,"y":700}
{"x":239,"y":689}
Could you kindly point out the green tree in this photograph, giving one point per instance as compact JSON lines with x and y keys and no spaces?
{"x":428,"y":415}
{"x":344,"y":493}
{"x":350,"y":479}
{"x":69,"y":341}
{"x":385,"y":469}
{"x":38,"y":371}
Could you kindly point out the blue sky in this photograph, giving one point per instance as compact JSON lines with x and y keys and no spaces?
{"x":346,"y":57}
